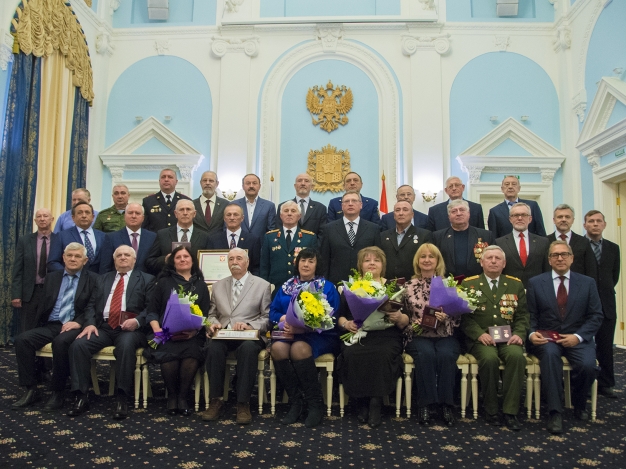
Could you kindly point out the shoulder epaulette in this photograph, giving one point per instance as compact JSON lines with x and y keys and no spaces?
{"x":273,"y":231}
{"x":471,"y":278}
{"x":308,"y":232}
{"x":512,"y":278}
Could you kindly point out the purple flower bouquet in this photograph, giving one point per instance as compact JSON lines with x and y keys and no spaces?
{"x":177,"y":318}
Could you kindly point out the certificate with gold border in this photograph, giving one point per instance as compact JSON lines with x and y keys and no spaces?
{"x":229,"y":334}
{"x":214,"y":264}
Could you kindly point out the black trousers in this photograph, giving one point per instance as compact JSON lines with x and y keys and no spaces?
{"x":28,"y":311}
{"x":29,"y":342}
{"x":126,"y":344}
{"x":604,"y":352}
{"x":247,"y":353}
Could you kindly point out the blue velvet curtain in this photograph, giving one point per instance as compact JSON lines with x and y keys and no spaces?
{"x":77,"y":176}
{"x":18,"y":171}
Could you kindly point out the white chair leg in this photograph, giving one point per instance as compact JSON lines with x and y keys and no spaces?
{"x":272,"y":388}
{"x":408,"y":390}
{"x":137,"y":383}
{"x":594,"y":400}
{"x":529,"y":393}
{"x":147,"y":389}
{"x":463,"y":392}
{"x":398,"y":396}
{"x":261,"y":390}
{"x":197,"y":381}
{"x":205,"y":380}
{"x":329,"y":392}
{"x":475,"y":390}
{"x":537,"y":393}
{"x":342,"y":400}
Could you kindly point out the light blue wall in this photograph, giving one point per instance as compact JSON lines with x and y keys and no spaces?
{"x":485,"y":10}
{"x":161,"y":86}
{"x":134,"y":14}
{"x":359,"y":136}
{"x":493,"y":177}
{"x":94,"y":5}
{"x":506,"y":85}
{"x":618,"y":114}
{"x":5,"y":78}
{"x":610,"y":157}
{"x":288,"y":8}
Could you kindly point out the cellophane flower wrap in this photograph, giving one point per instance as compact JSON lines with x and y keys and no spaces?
{"x":308,"y":308}
{"x":455,"y":299}
{"x":181,"y":314}
{"x":364,"y":296}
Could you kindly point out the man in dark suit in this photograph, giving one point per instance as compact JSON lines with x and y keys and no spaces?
{"x":369,"y":212}
{"x":608,"y":275}
{"x":123,"y":290}
{"x":567,"y":303}
{"x":159,"y":208}
{"x":95,"y":241}
{"x":402,"y":242}
{"x":29,"y":269}
{"x":183,"y":232}
{"x":499,"y":222}
{"x":438,"y":214}
{"x":236,"y":235}
{"x":69,"y":297}
{"x":281,"y":246}
{"x":344,"y":238}
{"x":461,"y":245}
{"x":526,"y":253}
{"x":133,"y":235}
{"x":313,"y":213}
{"x":210,"y":207}
{"x":259,"y":215}
{"x":404,"y":193}
{"x":585,"y":261}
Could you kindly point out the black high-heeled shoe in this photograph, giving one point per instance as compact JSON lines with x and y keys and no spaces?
{"x":183,"y":407}
{"x":172,"y":405}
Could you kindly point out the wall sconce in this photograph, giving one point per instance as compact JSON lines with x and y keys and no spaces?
{"x":167,"y":118}
{"x":524,"y":118}
{"x":493,"y":119}
{"x":229,"y":194}
{"x":138,"y":119}
{"x":429,"y":196}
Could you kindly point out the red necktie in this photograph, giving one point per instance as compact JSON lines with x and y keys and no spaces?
{"x":522,"y":249}
{"x":207,"y":214}
{"x":561,"y":298}
{"x":116,"y":303}
{"x":563,"y":237}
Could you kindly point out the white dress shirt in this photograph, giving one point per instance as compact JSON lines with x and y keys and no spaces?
{"x":180,"y":233}
{"x":517,"y":240}
{"x":355,"y":224}
{"x":236,"y":233}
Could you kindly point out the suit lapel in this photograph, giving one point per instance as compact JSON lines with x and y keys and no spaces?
{"x":79,"y":288}
{"x":76,"y":235}
{"x":512,"y":248}
{"x":132,"y":281}
{"x":448,"y":246}
{"x":573,"y":287}
{"x":548,"y":291}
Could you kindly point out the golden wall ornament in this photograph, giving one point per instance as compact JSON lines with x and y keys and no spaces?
{"x":331,"y":104}
{"x":328,"y":167}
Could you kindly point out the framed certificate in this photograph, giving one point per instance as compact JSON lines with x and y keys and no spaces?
{"x":214,"y":264}
{"x":229,"y":334}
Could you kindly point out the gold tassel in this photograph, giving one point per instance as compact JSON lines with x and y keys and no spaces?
{"x":16,"y":44}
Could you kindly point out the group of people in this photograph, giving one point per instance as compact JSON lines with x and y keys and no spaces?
{"x":83,"y":289}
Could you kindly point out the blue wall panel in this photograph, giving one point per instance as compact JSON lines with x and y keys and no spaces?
{"x":134,"y":14}
{"x":618,"y":114}
{"x":5,"y":78}
{"x":485,"y":10}
{"x":508,"y":148}
{"x":290,"y":8}
{"x":162,"y":86}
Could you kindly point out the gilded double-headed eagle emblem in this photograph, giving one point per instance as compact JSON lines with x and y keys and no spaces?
{"x":328,"y":167}
{"x":331,"y":104}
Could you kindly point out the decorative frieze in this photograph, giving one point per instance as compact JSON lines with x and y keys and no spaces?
{"x":502,"y":42}
{"x":104,"y":43}
{"x":162,"y":46}
{"x":222,"y":45}
{"x":329,"y":36}
{"x":562,"y":38}
{"x":440,"y":43}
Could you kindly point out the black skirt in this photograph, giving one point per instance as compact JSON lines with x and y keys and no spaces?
{"x":176,"y":350}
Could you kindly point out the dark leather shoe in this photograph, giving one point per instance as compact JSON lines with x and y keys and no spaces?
{"x":448,"y":415}
{"x":375,"y":409}
{"x":81,"y":405}
{"x":215,"y":410}
{"x":172,"y":405}
{"x":120,"y":412}
{"x":512,"y":422}
{"x":244,"y":417}
{"x":555,"y":424}
{"x":607,"y":392}
{"x":581,"y":414}
{"x":55,"y":402}
{"x":495,"y":420}
{"x":424,"y":416}
{"x":183,"y":407}
{"x":30,"y":397}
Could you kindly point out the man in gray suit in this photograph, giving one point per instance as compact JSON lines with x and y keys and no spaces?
{"x":29,"y":270}
{"x":239,"y":302}
{"x":209,"y":207}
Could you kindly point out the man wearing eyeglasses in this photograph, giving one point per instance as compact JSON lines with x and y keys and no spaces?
{"x":566,"y":303}
{"x":526,"y":253}
{"x":498,"y":220}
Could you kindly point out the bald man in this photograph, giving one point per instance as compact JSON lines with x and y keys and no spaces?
{"x":312,"y":213}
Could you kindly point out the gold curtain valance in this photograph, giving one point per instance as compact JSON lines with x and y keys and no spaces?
{"x":43,"y":26}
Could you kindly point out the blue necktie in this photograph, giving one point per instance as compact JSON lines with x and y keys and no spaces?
{"x":66,"y":312}
{"x":89,"y":247}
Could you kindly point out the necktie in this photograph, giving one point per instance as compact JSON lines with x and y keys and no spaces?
{"x":595,"y":245}
{"x":351,"y":233}
{"x":88,"y":246}
{"x":134,"y":243}
{"x":522,"y":249}
{"x":494,"y":287}
{"x":168,"y":199}
{"x":563,"y":237}
{"x":233,"y":245}
{"x":184,"y":238}
{"x":66,"y":311}
{"x":43,"y":257}
{"x":236,"y":292}
{"x":510,"y":204}
{"x":302,"y":210}
{"x":288,"y":239}
{"x":116,"y":303}
{"x":207,"y":212}
{"x":561,"y":297}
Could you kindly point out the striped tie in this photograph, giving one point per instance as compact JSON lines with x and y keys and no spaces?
{"x":66,"y":311}
{"x":597,"y":250}
{"x":351,"y":233}
{"x":236,"y":292}
{"x":89,"y":247}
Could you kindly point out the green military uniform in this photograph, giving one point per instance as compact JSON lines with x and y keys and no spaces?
{"x":278,"y":262}
{"x":506,"y":307}
{"x":109,"y":220}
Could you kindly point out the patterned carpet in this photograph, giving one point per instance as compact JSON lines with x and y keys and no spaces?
{"x":150,"y":438}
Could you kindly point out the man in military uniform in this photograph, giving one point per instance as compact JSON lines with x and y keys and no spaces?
{"x":281,"y":247}
{"x":112,"y":218}
{"x":159,"y":208}
{"x":502,"y":302}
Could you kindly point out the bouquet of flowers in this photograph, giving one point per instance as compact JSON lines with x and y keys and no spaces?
{"x":181,"y":314}
{"x":454,"y":299}
{"x":368,"y":301}
{"x":309,"y":308}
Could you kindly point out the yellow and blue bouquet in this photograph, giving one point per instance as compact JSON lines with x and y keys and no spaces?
{"x":309,"y":308}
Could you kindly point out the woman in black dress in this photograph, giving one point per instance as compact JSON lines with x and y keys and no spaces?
{"x":369,"y":370}
{"x":180,"y":356}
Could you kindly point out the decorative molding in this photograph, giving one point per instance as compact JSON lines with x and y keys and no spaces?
{"x":605,"y":142}
{"x":594,"y":160}
{"x":6,"y":49}
{"x":562,"y":38}
{"x":594,"y":134}
{"x":474,"y":172}
{"x":612,"y":172}
{"x":593,"y":18}
{"x":440,"y":43}
{"x":221,"y":45}
{"x":104,"y":42}
{"x":428,"y":4}
{"x":476,"y":165}
{"x":232,"y":6}
{"x":329,"y":36}
{"x":579,"y":104}
{"x":502,"y":42}
{"x":162,"y":46}
{"x":113,"y":6}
